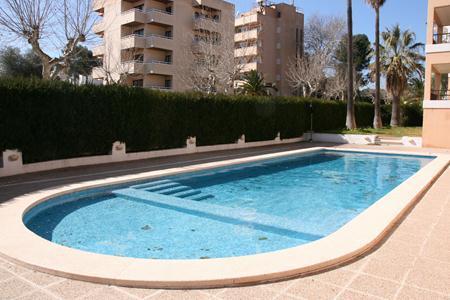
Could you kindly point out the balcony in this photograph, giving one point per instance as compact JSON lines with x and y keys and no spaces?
{"x":246,"y":51}
{"x":133,"y":41}
{"x":98,"y":50}
{"x":99,"y":27}
{"x":202,"y":22}
{"x":133,"y":16}
{"x":159,"y":88}
{"x":214,"y":4}
{"x":246,"y":35}
{"x":246,"y":20}
{"x":98,"y":5}
{"x":248,"y":67}
{"x":133,"y":67}
{"x":159,"y":67}
{"x":441,"y":38}
{"x":159,"y":42}
{"x":159,"y":16}
{"x":152,"y":15}
{"x":440,"y":95}
{"x":98,"y":73}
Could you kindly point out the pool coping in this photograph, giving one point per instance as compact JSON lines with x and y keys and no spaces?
{"x":23,"y":247}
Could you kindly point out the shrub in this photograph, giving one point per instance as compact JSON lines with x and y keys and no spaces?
{"x":57,"y":120}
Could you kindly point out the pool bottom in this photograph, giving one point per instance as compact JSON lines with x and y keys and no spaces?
{"x":154,"y":231}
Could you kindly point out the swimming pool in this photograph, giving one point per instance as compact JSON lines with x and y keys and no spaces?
{"x":237,"y":210}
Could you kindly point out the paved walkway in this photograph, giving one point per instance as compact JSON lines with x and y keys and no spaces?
{"x":412,"y":263}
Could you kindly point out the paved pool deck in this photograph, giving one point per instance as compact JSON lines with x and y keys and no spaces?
{"x":413,"y":262}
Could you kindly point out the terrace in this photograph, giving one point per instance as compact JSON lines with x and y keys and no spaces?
{"x":411,"y":261}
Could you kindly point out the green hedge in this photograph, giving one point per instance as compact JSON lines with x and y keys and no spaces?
{"x":56,"y":120}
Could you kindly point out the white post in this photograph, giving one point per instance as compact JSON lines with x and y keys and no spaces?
{"x":278,"y":137}
{"x":191,"y":144}
{"x":119,"y":151}
{"x":12,"y":162}
{"x":241,"y":140}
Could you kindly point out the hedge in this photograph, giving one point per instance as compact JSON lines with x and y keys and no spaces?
{"x":56,"y":120}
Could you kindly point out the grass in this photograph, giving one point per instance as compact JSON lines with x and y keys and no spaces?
{"x":386,"y":131}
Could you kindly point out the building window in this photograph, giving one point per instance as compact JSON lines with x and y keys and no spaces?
{"x":139,"y":32}
{"x":278,"y":77}
{"x":168,"y":83}
{"x":138,"y":83}
{"x":139,"y":7}
{"x":139,"y":57}
{"x":278,"y":45}
{"x":278,"y":61}
{"x":278,"y":29}
{"x":168,"y":59}
{"x":168,"y":33}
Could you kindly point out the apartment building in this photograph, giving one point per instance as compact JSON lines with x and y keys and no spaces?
{"x":436,"y":127}
{"x":146,"y":43}
{"x":267,"y":38}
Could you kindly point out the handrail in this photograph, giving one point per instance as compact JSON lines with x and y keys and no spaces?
{"x":159,"y":10}
{"x":147,"y":36}
{"x":441,"y":38}
{"x":440,"y":95}
{"x":147,"y":11}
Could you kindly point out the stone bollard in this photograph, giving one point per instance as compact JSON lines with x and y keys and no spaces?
{"x":241,"y":140}
{"x":191,"y":144}
{"x":12,"y":162}
{"x":119,"y":151}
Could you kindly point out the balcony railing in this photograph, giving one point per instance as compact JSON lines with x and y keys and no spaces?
{"x":440,"y":95}
{"x":441,"y":38}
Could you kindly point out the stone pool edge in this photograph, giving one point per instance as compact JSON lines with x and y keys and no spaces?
{"x":23,"y":247}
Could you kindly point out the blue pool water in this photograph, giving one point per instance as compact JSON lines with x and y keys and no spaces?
{"x":234,"y":211}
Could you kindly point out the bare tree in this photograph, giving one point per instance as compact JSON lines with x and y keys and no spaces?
{"x":209,"y":65}
{"x":118,"y":70}
{"x":49,"y":25}
{"x":309,"y":72}
{"x":336,"y":86}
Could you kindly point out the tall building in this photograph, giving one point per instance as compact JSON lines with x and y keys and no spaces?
{"x":267,"y":39}
{"x":147,"y":42}
{"x":436,"y":127}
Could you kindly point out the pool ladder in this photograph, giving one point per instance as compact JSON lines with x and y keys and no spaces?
{"x":172,"y":188}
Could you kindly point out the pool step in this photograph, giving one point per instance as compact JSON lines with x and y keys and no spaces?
{"x":162,"y":187}
{"x":150,"y":184}
{"x":172,"y":188}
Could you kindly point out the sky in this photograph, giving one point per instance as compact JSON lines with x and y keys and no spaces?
{"x":410,"y":14}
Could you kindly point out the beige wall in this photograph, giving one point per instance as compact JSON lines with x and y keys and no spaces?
{"x":436,"y":128}
{"x":436,"y":123}
{"x":118,"y":23}
{"x":276,"y":41}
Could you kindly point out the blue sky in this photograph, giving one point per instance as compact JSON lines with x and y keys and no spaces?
{"x":410,"y":14}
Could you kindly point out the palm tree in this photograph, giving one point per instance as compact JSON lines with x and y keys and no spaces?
{"x":376,"y":5}
{"x":401,"y":59}
{"x":350,"y":122}
{"x":254,"y":84}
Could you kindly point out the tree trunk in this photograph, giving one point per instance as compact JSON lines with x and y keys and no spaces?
{"x":377,"y":122}
{"x":395,"y":118}
{"x":350,"y":121}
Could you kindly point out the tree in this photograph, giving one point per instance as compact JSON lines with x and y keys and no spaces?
{"x":308,"y":72}
{"x":376,"y":5}
{"x":208,"y":64}
{"x":361,"y":55}
{"x":401,"y":60}
{"x":62,"y":24}
{"x":254,"y":84}
{"x":350,"y":122}
{"x":82,"y":62}
{"x":15,"y":64}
